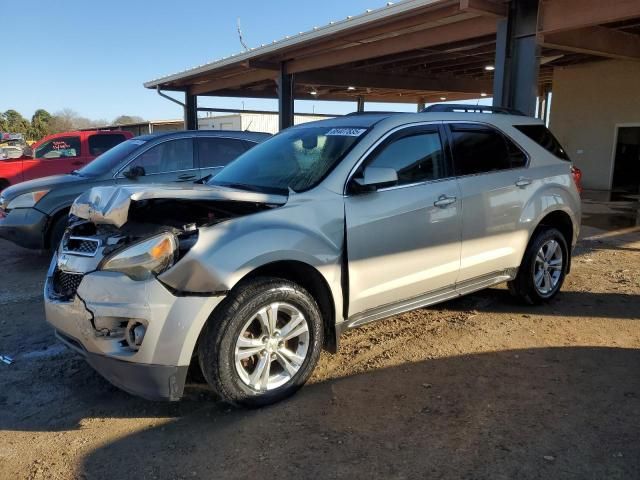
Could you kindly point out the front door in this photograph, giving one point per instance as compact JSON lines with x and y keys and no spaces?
{"x":54,"y":157}
{"x":166,"y":162}
{"x":404,"y":240}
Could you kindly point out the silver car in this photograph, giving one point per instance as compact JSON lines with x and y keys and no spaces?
{"x":325,"y":227}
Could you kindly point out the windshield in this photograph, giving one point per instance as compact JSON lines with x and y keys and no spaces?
{"x":296,"y":159}
{"x":110,"y":159}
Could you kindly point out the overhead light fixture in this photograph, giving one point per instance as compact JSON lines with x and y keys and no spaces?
{"x":483,"y":94}
{"x":351,"y":89}
{"x":313,"y":92}
{"x":443,"y":98}
{"x":489,"y":68}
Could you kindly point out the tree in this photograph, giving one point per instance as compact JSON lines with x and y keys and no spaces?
{"x":16,"y":123}
{"x":124,"y":119}
{"x":40,"y":124}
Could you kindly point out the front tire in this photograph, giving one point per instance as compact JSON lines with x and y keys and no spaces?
{"x":57,"y":232}
{"x":543,"y":268}
{"x":262,"y":343}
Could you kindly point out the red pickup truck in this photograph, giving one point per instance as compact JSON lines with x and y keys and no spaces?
{"x":58,"y":154}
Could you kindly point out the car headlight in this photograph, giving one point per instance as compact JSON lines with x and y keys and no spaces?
{"x":144,"y":259}
{"x":27,"y":200}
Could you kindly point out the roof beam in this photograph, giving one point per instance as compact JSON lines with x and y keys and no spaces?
{"x":251,"y":76}
{"x":426,"y":38}
{"x":484,"y":7}
{"x":345,"y":78}
{"x":560,"y":15}
{"x":599,"y":41}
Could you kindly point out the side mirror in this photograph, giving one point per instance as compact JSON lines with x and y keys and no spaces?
{"x":374,"y":178}
{"x":134,"y":172}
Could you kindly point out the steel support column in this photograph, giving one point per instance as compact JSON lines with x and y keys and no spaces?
{"x":285,"y":98}
{"x":360,"y":103}
{"x":517,"y":62}
{"x":190,"y":111}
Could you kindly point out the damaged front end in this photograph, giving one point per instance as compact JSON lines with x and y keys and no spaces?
{"x":103,"y":295}
{"x":143,"y":231}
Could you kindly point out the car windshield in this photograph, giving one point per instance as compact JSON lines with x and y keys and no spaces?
{"x":296,"y":159}
{"x":110,"y":159}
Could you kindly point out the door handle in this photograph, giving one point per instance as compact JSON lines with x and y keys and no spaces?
{"x":523,"y":182}
{"x":444,"y":201}
{"x":186,"y":177}
{"x":77,"y":162}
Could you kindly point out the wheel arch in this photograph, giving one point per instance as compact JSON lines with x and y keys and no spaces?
{"x":561,"y":221}
{"x":309,"y":278}
{"x":4,"y":183}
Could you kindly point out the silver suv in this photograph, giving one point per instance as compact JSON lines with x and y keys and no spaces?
{"x":325,"y":227}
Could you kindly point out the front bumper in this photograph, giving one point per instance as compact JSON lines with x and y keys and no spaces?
{"x":24,"y":227}
{"x":93,"y":323}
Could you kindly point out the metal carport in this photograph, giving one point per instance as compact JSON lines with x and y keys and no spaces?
{"x":419,"y":51}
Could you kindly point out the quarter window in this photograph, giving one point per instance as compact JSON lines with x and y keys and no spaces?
{"x":543,"y":137}
{"x":218,"y":152}
{"x":479,"y":149}
{"x":170,"y":156}
{"x":416,"y":157}
{"x":61,"y":147}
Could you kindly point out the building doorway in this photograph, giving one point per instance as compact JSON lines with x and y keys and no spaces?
{"x":626,"y":160}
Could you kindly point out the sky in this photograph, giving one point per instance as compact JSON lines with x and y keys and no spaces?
{"x":93,"y":57}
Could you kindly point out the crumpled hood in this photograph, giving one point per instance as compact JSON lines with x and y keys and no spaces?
{"x":110,"y":205}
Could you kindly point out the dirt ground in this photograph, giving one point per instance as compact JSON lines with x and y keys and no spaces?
{"x":477,"y":388}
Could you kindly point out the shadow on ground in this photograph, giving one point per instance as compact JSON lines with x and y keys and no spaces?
{"x":539,"y":413}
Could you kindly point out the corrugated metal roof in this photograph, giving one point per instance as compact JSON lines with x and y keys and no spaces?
{"x":369,"y":16}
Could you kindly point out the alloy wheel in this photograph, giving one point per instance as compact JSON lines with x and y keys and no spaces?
{"x":272,"y":346}
{"x":547,"y":270}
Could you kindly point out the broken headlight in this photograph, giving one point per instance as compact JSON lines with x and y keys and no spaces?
{"x":144,"y":259}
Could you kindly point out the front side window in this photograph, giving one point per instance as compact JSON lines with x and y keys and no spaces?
{"x":169,"y":156}
{"x":101,"y":142}
{"x":478,"y":149}
{"x":218,"y":152}
{"x":416,"y":157}
{"x":61,"y":147}
{"x":297,"y":159}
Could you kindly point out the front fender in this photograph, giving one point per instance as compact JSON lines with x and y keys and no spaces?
{"x":311,"y":233}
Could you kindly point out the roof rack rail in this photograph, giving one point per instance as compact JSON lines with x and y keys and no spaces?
{"x":371,"y":112}
{"x":466,"y":108}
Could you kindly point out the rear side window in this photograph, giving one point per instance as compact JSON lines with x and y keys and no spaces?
{"x":480,"y":149}
{"x":543,"y":137}
{"x":60,"y":147}
{"x":416,"y":157}
{"x":218,"y":152}
{"x":100,"y":143}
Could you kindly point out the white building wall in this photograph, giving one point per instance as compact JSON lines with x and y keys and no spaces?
{"x":588,"y":102}
{"x":256,"y":122}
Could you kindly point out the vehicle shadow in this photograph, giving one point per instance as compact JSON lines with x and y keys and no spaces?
{"x":534,"y":413}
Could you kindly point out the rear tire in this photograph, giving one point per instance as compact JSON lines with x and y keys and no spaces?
{"x":262,"y":343}
{"x":543,"y":268}
{"x":57,"y":232}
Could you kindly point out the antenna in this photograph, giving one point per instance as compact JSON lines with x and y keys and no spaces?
{"x":244,"y":45}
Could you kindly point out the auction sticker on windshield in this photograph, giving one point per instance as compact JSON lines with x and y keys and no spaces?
{"x":346,"y":132}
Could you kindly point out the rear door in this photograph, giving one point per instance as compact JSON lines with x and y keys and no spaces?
{"x":495,"y":186}
{"x":214,"y":153}
{"x":56,"y":156}
{"x":404,"y":240}
{"x":169,"y":161}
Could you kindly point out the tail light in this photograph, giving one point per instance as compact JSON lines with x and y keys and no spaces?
{"x":577,"y":178}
